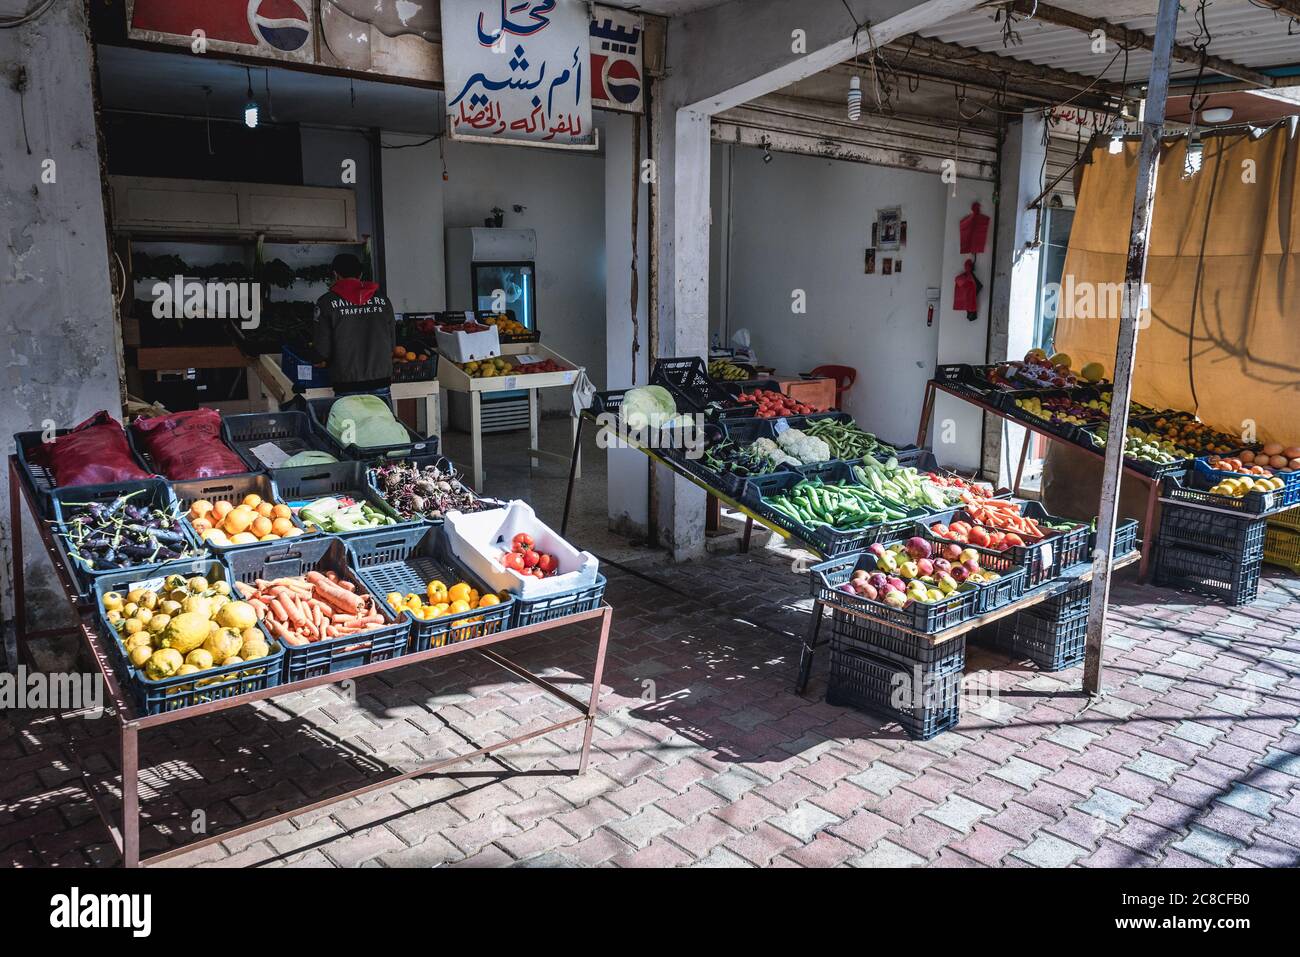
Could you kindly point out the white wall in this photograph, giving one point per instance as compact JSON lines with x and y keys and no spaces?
{"x":413,"y":231}
{"x":803,"y":222}
{"x":563,"y":193}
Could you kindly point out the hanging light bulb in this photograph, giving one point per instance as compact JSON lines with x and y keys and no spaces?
{"x":252,"y":112}
{"x":1117,"y":139}
{"x":855,"y":98}
{"x":1195,"y":154}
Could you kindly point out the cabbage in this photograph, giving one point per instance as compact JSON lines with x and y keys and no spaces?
{"x":310,"y":457}
{"x":365,"y":421}
{"x":650,"y":406}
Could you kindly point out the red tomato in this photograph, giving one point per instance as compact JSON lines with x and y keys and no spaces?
{"x":522,"y":540}
{"x":547,"y":563}
{"x":514,"y":561}
{"x":531,"y":558}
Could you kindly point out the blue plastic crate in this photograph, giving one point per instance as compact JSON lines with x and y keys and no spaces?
{"x":554,"y":607}
{"x":404,"y":561}
{"x":173,"y":694}
{"x":1286,"y":497}
{"x":318,"y":410}
{"x":154,"y":493}
{"x":302,"y":373}
{"x":332,"y":655}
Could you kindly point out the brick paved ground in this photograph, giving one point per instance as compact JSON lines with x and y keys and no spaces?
{"x":703,"y":755}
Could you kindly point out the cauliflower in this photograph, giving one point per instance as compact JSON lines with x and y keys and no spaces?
{"x":808,"y":449}
{"x":772,"y":452}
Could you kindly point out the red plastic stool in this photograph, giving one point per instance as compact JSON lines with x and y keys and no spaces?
{"x":844,"y":377}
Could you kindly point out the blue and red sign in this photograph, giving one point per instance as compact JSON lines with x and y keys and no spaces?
{"x":280,"y":29}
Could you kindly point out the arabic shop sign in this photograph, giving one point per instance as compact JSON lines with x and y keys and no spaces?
{"x":517,"y":71}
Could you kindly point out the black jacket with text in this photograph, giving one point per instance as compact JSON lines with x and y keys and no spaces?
{"x":355,"y":335}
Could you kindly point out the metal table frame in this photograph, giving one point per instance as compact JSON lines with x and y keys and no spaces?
{"x":131,"y":724}
{"x":1153,"y":484}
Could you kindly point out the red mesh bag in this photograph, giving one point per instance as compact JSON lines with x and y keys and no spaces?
{"x":188,"y":445}
{"x":94,"y":453}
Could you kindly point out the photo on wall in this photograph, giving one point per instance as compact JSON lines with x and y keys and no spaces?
{"x":887,"y":231}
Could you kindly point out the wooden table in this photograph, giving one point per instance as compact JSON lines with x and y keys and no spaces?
{"x":274,"y":390}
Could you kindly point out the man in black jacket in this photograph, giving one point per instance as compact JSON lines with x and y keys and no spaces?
{"x":356,"y":332}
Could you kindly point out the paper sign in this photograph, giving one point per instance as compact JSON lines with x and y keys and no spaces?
{"x":518,"y":72}
{"x":149,"y":584}
{"x":270,"y":454}
{"x":1047,"y":555}
{"x":304,"y":371}
{"x":510,"y":382}
{"x":780,"y":425}
{"x":526,"y":360}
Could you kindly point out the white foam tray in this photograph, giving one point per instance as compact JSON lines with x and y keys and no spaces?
{"x":479,"y":538}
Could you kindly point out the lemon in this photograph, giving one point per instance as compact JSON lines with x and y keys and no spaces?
{"x":238,"y":615}
{"x":163,"y":664}
{"x":186,"y":632}
{"x":140,"y":654}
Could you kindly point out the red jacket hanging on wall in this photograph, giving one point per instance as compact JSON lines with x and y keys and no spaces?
{"x":974,"y":231}
{"x":966,"y":292}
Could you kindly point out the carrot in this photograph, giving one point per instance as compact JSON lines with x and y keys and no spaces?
{"x":335,"y":596}
{"x":245,"y":590}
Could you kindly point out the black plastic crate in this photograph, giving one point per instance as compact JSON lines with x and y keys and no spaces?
{"x":607,"y":403}
{"x":1088,"y":439}
{"x":318,"y":410}
{"x":420,"y":370}
{"x":1212,"y":574}
{"x":688,"y":379}
{"x":39,"y":478}
{"x":563,"y":605}
{"x":153,"y":493}
{"x":301,"y":486}
{"x":405,"y":561}
{"x":924,"y":705}
{"x":1042,"y":559}
{"x":870,"y":637}
{"x":823,"y":538}
{"x":289,"y":431}
{"x":332,"y":655}
{"x":923,"y":617}
{"x":1126,"y":538}
{"x":1052,"y":645}
{"x":174,"y":694}
{"x":1070,"y":603}
{"x":1194,"y":489}
{"x":963,"y":378}
{"x":1238,"y":535}
{"x":228,"y":488}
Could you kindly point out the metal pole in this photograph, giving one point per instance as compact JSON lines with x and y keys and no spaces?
{"x":1134,"y":273}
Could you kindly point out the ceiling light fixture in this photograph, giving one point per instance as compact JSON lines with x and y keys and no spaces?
{"x":1117,"y":139}
{"x":1195,"y":153}
{"x":855,"y":98}
{"x":1216,"y":114}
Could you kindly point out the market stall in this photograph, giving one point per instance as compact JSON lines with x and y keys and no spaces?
{"x":200,"y":586}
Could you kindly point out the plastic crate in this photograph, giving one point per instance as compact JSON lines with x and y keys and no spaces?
{"x":1207,"y":573}
{"x":156,"y":493}
{"x":554,"y":607}
{"x":901,"y":647}
{"x":297,"y":487}
{"x":924,"y":705}
{"x":421,"y":370}
{"x":689,"y":382}
{"x":1287,"y":497}
{"x":318,"y":410}
{"x":406,"y":560}
{"x":1043,"y":559}
{"x":289,"y":431}
{"x":1193,"y":489}
{"x":607,"y":403}
{"x":1282,"y":547}
{"x":444,"y":464}
{"x":823,"y":538}
{"x":142,"y":455}
{"x":174,"y":694}
{"x":1237,"y":535}
{"x":963,"y":378}
{"x":922,"y":617}
{"x":1052,"y":645}
{"x":39,"y":478}
{"x":229,"y":488}
{"x":302,"y":373}
{"x":1287,"y":519}
{"x":1087,"y":438}
{"x":1071,"y":603}
{"x":333,"y":655}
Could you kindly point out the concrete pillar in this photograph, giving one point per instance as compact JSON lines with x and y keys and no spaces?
{"x":1016,"y":275}
{"x":627,"y":343}
{"x":59,"y":345}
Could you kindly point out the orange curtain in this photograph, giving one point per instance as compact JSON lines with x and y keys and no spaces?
{"x":1223,"y":338}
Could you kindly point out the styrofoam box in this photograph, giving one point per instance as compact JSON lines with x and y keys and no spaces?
{"x":479,"y":538}
{"x":465,"y":346}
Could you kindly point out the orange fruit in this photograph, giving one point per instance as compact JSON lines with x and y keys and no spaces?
{"x":200,"y":508}
{"x":222,"y":509}
{"x":281,"y":526}
{"x":201,"y":525}
{"x":281,"y":511}
{"x":265,"y":509}
{"x":239,"y":520}
{"x":262,"y":526}
{"x":252,"y":500}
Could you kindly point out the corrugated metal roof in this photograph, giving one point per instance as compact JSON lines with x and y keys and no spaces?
{"x":1241,"y":31}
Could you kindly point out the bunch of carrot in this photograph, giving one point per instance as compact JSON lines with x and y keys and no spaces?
{"x":1003,"y":514}
{"x":311,"y":607}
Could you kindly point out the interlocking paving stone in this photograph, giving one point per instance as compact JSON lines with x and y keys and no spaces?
{"x":958,"y":813}
{"x":1072,"y":737}
{"x":1108,"y":805}
{"x":804,"y":821}
{"x":887,"y":854}
{"x":1249,"y":799}
{"x":1209,"y":846}
{"x":1021,"y":772}
{"x":880,"y":778}
{"x":1155,"y":766}
{"x":1047,"y":850}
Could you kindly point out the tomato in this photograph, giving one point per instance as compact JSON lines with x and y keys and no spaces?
{"x":547,"y":563}
{"x":514,"y":561}
{"x":523,"y":540}
{"x":531,"y":558}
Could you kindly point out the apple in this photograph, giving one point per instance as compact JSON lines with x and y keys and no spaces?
{"x":969,"y":555}
{"x":896,"y":583}
{"x":866,"y":591}
{"x":877,"y":580}
{"x":887,"y":562}
{"x":959,"y":573}
{"x":952,"y":551}
{"x":918,"y":548}
{"x":941,"y":565}
{"x":877,"y":549}
{"x":909,"y":570}
{"x":925,"y":566}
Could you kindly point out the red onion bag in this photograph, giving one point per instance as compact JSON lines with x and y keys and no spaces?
{"x":188,"y":445}
{"x":94,"y":453}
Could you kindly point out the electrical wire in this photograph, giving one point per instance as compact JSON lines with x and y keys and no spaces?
{"x":38,"y":10}
{"x":1201,"y":43}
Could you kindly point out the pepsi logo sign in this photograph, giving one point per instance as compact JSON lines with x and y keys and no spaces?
{"x":282,"y":24}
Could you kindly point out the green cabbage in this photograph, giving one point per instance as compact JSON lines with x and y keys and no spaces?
{"x":310,"y":457}
{"x":365,"y":421}
{"x":650,"y":406}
